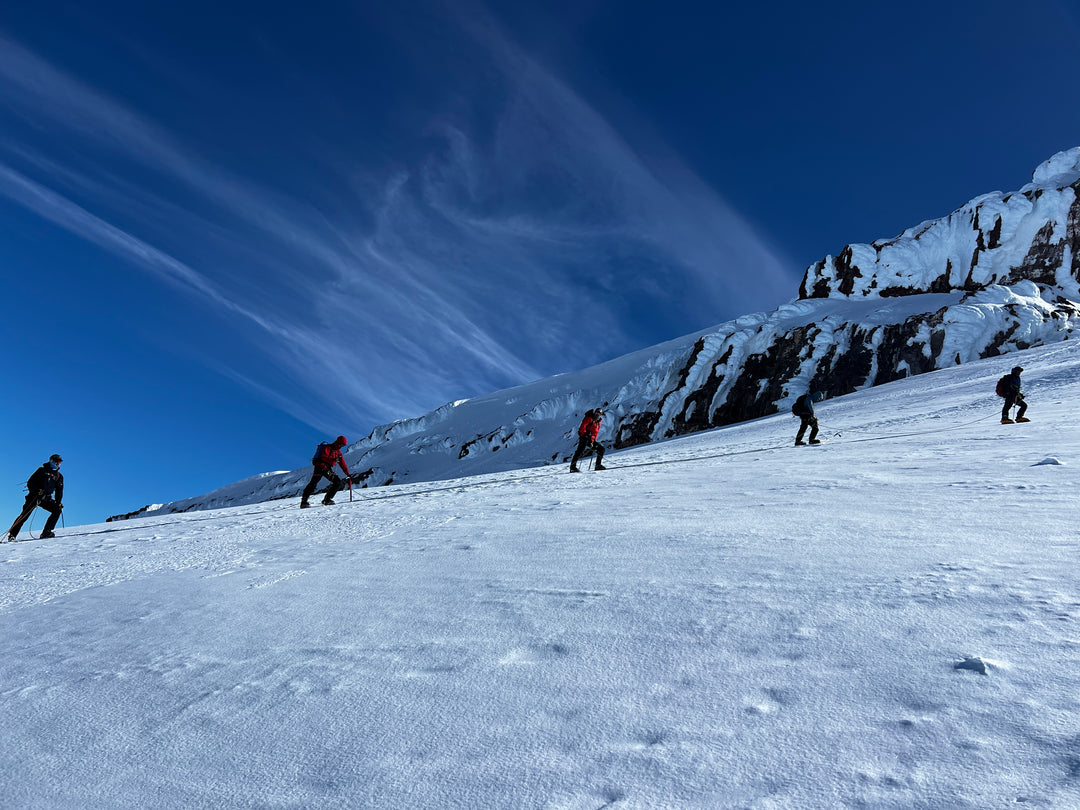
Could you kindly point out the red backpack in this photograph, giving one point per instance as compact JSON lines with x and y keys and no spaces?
{"x":1002,"y":388}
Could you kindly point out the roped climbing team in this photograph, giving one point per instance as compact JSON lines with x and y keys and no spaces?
{"x":45,"y":487}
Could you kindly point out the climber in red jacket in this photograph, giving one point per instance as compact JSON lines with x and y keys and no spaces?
{"x":587,"y":433}
{"x":326,"y":456}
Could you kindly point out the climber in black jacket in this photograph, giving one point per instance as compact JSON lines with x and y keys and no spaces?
{"x":45,"y":488}
{"x":804,"y":409}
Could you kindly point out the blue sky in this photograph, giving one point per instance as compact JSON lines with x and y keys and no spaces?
{"x":229,"y":230}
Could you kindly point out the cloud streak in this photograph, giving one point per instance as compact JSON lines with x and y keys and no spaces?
{"x":359,"y":279}
{"x":527,"y":239}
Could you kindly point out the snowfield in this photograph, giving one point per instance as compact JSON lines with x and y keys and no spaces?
{"x":890,"y":620}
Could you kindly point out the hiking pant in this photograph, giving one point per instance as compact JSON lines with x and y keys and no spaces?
{"x":807,"y":422}
{"x":322,"y":472}
{"x":46,"y":503}
{"x":584,"y":445}
{"x":1013,"y":399}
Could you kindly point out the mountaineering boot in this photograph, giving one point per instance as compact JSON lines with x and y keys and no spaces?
{"x":574,"y":469}
{"x":46,"y":535}
{"x":1022,"y":419}
{"x":305,"y":505}
{"x":800,"y":444}
{"x":1007,"y":422}
{"x":815,"y":441}
{"x":327,"y":502}
{"x":599,"y":466}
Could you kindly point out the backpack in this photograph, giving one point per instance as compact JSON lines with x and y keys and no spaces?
{"x":320,"y":454}
{"x":1003,"y":387}
{"x":43,"y":480}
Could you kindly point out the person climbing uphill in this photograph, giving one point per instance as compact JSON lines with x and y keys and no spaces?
{"x":804,"y":409}
{"x":1009,"y":388}
{"x":588,"y":430}
{"x":326,"y":456}
{"x":44,"y":488}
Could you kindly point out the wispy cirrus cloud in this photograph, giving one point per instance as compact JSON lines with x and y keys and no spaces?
{"x":347,"y":284}
{"x":77,"y":220}
{"x":529,"y":238}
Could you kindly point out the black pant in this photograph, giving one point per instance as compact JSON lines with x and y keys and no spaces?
{"x":583,"y":446}
{"x":323,"y":472}
{"x":46,"y":503}
{"x":807,"y":422}
{"x":1013,"y":399}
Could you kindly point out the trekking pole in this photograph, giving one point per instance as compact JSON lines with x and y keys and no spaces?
{"x":350,"y":488}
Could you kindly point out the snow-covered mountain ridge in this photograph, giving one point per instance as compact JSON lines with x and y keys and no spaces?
{"x":996,"y":239}
{"x":1000,"y":274}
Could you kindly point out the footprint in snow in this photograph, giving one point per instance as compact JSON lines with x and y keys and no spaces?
{"x":974,"y":664}
{"x":274,"y":579}
{"x":652,"y":739}
{"x":534,"y":654}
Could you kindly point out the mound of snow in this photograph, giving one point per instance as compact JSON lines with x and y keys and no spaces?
{"x":1063,"y":169}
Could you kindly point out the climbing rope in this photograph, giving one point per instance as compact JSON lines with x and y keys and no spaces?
{"x":548,"y":471}
{"x":877,"y":436}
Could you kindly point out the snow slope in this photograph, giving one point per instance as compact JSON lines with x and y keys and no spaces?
{"x":721,"y":620}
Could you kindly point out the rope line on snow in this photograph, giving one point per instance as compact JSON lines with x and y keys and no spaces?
{"x":174,"y":522}
{"x":707,"y":457}
{"x":784,"y":446}
{"x":875,"y":437}
{"x":550,"y":470}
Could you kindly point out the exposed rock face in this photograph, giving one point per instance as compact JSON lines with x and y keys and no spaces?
{"x":756,"y":371}
{"x":1000,"y":274}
